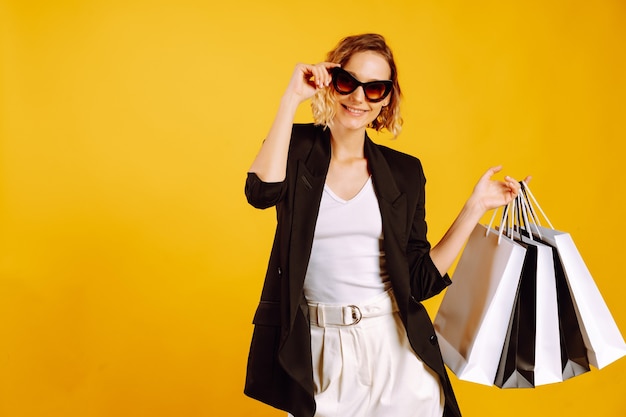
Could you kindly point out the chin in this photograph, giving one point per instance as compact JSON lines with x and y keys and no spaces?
{"x":351,"y":124}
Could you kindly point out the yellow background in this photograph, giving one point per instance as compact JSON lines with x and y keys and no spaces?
{"x":130,"y":263}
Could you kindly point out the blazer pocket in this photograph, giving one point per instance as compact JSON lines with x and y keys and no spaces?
{"x":267,"y":314}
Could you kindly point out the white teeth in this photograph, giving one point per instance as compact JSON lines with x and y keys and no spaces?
{"x":356,"y":111}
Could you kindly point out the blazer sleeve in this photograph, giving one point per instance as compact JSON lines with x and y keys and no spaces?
{"x":426,"y":281}
{"x":262,"y":194}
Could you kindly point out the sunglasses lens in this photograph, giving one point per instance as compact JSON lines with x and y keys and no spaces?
{"x":344,"y":83}
{"x":376,"y":91}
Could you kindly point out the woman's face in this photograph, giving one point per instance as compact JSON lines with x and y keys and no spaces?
{"x":353,"y":111}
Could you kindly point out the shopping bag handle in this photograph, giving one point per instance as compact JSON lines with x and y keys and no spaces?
{"x":519,"y":217}
{"x":527,"y":193}
{"x":503,"y":220}
{"x":526,"y":217}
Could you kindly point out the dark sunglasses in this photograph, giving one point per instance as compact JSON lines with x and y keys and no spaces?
{"x":374,"y":91}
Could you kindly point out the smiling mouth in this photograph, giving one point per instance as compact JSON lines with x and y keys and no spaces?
{"x":354,"y":111}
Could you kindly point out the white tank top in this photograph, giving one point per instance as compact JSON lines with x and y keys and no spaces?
{"x":347,"y":263}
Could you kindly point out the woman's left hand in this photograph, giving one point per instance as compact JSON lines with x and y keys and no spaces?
{"x":490,"y":194}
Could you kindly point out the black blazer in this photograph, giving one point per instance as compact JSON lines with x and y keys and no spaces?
{"x":280,"y":372}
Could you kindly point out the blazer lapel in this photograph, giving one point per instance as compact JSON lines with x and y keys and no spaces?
{"x":394,"y":213}
{"x":309,"y":186}
{"x":391,"y":200}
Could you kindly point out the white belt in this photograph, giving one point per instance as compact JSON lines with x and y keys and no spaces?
{"x":321,"y":314}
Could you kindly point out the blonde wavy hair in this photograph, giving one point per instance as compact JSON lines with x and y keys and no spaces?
{"x":323,"y":102}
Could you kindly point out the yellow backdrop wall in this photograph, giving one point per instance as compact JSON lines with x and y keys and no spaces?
{"x":130,"y":263}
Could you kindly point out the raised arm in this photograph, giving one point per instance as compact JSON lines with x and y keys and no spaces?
{"x":271,"y":161}
{"x":488,"y":194}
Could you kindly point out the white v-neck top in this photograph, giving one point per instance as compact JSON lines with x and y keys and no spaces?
{"x":347,"y":263}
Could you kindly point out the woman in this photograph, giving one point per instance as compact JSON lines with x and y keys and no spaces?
{"x":340,"y":329}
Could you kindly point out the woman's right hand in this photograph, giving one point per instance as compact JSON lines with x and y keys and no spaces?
{"x":270,"y":163}
{"x":307,"y":79}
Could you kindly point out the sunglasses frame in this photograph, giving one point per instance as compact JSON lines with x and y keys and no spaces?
{"x":387,"y":83}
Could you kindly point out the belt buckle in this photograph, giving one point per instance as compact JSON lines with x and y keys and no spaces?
{"x":356,"y":314}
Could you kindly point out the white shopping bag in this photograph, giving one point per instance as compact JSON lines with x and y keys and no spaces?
{"x":603,"y":339}
{"x":473,"y":317}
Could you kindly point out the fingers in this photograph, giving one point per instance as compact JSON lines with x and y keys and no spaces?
{"x":308,"y":78}
{"x":495,"y":170}
{"x":495,"y":193}
{"x":509,"y":181}
{"x":491,"y":172}
{"x":513,"y":185}
{"x":320,"y":76}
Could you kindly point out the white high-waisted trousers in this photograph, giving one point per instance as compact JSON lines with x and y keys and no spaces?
{"x":364,"y":366}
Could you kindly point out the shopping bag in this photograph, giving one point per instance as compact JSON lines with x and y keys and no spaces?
{"x":601,"y":335}
{"x":473,"y":317}
{"x":547,"y":342}
{"x":574,"y":359}
{"x":531,"y":355}
{"x":602,"y":338}
{"x":517,"y":363}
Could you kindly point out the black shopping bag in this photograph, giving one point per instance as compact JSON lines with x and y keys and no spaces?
{"x":517,"y":363}
{"x":574,"y":360}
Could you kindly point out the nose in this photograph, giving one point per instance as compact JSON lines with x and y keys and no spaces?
{"x":358,"y":94}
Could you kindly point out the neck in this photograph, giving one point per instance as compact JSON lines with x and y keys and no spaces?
{"x":347,"y":145}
